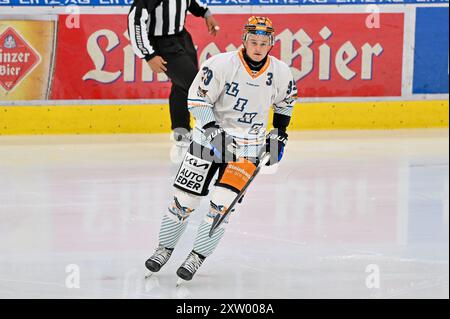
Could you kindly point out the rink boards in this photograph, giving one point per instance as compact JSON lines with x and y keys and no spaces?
{"x":355,"y":67}
{"x":85,"y":119}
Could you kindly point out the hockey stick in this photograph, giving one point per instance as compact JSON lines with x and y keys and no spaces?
{"x":219,"y":218}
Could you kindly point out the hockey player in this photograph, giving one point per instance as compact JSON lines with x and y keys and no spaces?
{"x":230,"y":100}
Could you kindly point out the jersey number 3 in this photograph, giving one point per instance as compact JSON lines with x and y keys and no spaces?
{"x":269,"y":78}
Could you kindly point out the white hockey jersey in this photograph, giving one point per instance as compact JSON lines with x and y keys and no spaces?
{"x":238,"y":99}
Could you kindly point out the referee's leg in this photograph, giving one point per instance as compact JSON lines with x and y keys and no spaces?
{"x":179,"y":113}
{"x":181,"y":69}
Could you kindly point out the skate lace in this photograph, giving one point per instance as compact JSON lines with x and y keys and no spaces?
{"x":192,"y":263}
{"x":161,"y":255}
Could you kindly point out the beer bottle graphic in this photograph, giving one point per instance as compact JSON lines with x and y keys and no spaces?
{"x":27,"y":49}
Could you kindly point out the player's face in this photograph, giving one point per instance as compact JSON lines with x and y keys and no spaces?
{"x":257,"y":46}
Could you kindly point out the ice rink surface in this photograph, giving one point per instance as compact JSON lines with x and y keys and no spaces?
{"x":347,"y":214}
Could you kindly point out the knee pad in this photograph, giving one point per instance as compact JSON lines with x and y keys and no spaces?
{"x":183,"y":205}
{"x":221,"y":200}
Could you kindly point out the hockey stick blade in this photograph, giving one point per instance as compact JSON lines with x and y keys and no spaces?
{"x":219,"y":218}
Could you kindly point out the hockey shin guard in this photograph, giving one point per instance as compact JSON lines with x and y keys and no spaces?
{"x":205,"y":245}
{"x":175,"y":220}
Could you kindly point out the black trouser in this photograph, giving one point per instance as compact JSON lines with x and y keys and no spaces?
{"x":182,"y":66}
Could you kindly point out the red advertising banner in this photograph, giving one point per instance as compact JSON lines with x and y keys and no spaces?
{"x":330,"y":55}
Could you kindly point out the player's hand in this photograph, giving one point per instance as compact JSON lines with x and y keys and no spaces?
{"x":224,"y":146}
{"x":275,"y":142}
{"x":212,"y":25}
{"x":157,"y":64}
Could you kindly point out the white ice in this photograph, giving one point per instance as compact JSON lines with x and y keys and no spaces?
{"x":348,"y":214}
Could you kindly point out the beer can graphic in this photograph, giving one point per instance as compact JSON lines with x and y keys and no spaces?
{"x":27,"y":46}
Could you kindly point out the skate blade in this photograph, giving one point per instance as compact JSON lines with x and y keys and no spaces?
{"x":180,"y":282}
{"x":148,"y":274}
{"x":182,"y":291}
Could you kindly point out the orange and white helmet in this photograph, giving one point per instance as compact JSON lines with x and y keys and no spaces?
{"x":259,"y":26}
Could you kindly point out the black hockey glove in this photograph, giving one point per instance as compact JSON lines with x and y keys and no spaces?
{"x":224,"y":146}
{"x":275,"y":142}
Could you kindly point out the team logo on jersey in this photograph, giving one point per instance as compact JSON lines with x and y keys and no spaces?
{"x":232,"y":88}
{"x":255,"y":129}
{"x":247,"y":118}
{"x":290,"y":100}
{"x":240,"y":104}
{"x":201,"y":92}
{"x":17,"y":59}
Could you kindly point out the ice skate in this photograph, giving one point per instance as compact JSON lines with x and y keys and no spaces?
{"x":158,"y":259}
{"x":190,"y":266}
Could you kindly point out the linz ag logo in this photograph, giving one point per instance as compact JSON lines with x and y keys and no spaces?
{"x":17,"y":59}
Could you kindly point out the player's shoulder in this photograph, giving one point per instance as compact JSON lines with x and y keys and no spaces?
{"x":222,"y":64}
{"x":279,"y":65}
